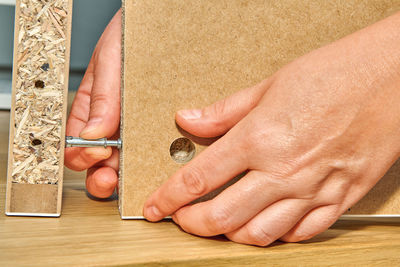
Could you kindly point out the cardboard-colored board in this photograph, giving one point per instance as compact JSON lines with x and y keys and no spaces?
{"x":42,"y":198}
{"x":38,"y":109}
{"x":181,"y":54}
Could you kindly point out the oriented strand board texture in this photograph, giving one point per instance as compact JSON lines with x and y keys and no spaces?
{"x":39,"y":102}
{"x":188,"y":54}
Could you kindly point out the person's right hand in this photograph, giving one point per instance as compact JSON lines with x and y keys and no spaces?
{"x":95,"y":113}
{"x":312,"y":140}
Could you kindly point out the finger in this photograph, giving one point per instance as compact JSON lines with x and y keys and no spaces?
{"x":221,"y":116}
{"x":313,"y":223}
{"x":95,"y":183}
{"x":334,"y":199}
{"x":234,"y":207}
{"x":215,"y":166}
{"x":112,"y":161}
{"x":77,"y":121}
{"x":105,"y":95}
{"x":80,"y":159}
{"x":80,"y":108}
{"x":272,"y":223}
{"x":101,"y":182}
{"x":83,"y":158}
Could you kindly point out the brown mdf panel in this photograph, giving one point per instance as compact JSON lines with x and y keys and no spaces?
{"x":38,"y":109}
{"x":187,"y":54}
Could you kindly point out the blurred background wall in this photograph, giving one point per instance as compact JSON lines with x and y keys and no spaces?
{"x":90,"y":17}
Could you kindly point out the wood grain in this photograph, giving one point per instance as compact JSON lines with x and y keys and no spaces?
{"x":91,"y":233}
{"x":182,"y":55}
{"x":38,"y":27}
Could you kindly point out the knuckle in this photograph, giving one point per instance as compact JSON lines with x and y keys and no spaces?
{"x":193,"y":180}
{"x":258,"y":236}
{"x":255,"y":136}
{"x":333,"y":193}
{"x":219,"y":221}
{"x":218,"y":108}
{"x":216,"y":113}
{"x":97,"y":100}
{"x":73,"y":116}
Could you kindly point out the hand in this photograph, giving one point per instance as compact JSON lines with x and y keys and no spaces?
{"x":95,"y":113}
{"x":314,"y":139}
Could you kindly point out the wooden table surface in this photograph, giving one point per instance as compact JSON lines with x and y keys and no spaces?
{"x":90,"y":232}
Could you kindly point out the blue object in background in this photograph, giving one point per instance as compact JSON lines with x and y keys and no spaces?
{"x":6,"y":41}
{"x":90,"y":17}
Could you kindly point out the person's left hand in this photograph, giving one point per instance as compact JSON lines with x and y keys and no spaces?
{"x":95,"y":113}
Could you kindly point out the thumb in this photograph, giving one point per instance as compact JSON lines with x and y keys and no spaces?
{"x":105,"y":94}
{"x":221,"y":116}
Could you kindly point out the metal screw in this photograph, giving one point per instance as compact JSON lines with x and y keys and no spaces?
{"x":71,"y":141}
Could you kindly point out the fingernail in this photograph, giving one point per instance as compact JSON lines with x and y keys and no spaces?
{"x":153,"y":212}
{"x":91,"y":126}
{"x":190,"y":114}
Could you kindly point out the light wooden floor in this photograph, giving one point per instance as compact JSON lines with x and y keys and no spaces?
{"x":90,"y":232}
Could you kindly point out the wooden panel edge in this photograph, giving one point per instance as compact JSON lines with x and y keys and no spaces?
{"x":121,"y":151}
{"x":11,"y":128}
{"x":65,"y":106}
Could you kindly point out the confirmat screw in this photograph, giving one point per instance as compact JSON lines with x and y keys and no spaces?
{"x":71,"y":141}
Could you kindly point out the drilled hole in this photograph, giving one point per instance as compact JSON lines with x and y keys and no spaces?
{"x":36,"y":142}
{"x":45,"y":66}
{"x":182,"y":150}
{"x":39,"y":84}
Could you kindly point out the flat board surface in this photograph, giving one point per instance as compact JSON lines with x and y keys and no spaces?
{"x":187,"y":54}
{"x":38,"y":107}
{"x":91,"y":233}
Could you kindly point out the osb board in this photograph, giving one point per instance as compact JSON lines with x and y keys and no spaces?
{"x":187,"y":54}
{"x":38,"y":110}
